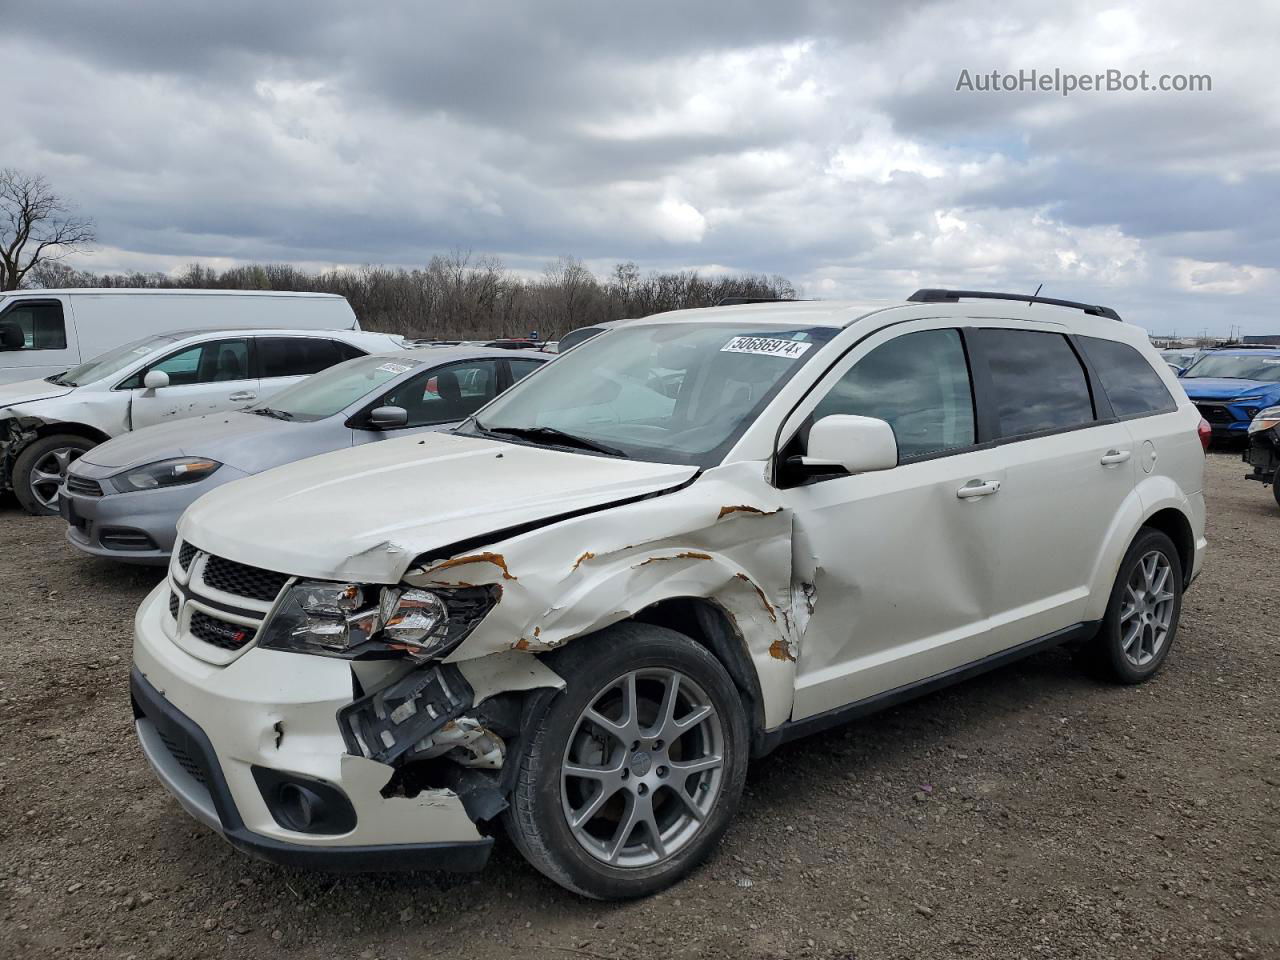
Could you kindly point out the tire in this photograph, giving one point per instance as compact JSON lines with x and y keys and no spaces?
{"x":47,"y":457}
{"x":604,"y":858}
{"x":1275,"y":488}
{"x":1148,"y":648}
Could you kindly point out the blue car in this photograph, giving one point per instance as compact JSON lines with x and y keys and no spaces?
{"x":1232,"y":384}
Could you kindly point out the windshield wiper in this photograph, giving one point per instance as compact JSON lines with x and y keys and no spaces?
{"x":558,"y":437}
{"x":271,"y":412}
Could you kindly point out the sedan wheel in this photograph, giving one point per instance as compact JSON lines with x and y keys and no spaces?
{"x":41,"y":468}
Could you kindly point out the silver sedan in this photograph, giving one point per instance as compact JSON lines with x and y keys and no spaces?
{"x":122,"y":499}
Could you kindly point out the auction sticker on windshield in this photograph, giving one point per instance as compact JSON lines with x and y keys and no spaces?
{"x":392,"y":367}
{"x":766,"y":347}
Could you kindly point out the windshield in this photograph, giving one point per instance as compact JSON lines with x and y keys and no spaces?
{"x":325,"y":393}
{"x":675,"y":393}
{"x":1236,"y":367}
{"x":111,"y":362}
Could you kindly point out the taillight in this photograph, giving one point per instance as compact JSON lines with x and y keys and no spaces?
{"x":1206,"y":434}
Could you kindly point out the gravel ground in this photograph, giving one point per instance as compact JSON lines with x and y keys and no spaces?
{"x":1028,"y":813}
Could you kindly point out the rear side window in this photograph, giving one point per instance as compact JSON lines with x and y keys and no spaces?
{"x":296,"y":356}
{"x":1037,"y":381}
{"x":522,"y":368}
{"x":1133,"y":388}
{"x":33,"y":326}
{"x":917,"y":383}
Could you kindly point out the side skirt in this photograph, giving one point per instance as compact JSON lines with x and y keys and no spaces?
{"x":770,"y":740}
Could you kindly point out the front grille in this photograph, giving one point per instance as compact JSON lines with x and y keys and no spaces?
{"x":219,"y":633}
{"x":173,"y":605}
{"x":185,"y":555}
{"x":243,"y":580}
{"x":86,"y":488}
{"x":185,"y":760}
{"x":1215,"y":413}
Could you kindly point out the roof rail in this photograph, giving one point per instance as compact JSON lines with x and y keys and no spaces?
{"x":1242,"y":346}
{"x":930,"y":295}
{"x":741,"y":301}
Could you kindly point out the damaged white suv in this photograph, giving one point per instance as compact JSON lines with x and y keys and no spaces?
{"x":690,"y":539}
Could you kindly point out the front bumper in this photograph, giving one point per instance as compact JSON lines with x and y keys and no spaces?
{"x":205,"y":728}
{"x":138,"y":527}
{"x":1227,"y":420}
{"x":1263,"y":455}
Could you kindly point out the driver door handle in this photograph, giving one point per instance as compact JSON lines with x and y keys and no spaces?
{"x":1112,"y":457}
{"x":243,"y":395}
{"x":978,"y":488}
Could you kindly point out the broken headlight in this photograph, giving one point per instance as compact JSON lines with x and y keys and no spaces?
{"x":353,"y":622}
{"x":1265,"y":420}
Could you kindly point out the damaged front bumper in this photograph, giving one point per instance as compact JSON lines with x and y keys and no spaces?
{"x":254,"y":751}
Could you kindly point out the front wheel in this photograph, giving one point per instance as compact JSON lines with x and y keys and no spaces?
{"x":38,"y":471}
{"x":633,"y":774}
{"x":1142,"y":615}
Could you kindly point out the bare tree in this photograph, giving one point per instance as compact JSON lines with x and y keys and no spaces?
{"x":35,"y":226}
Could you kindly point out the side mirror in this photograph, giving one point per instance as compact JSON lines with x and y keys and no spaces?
{"x":387,"y":418}
{"x":155,"y":379}
{"x":858,"y":444}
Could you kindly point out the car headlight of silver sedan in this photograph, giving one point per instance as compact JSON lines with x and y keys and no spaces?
{"x":164,"y":473}
{"x":353,"y":621}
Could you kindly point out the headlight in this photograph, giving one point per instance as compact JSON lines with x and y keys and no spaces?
{"x":1266,"y":420}
{"x":357,"y":622}
{"x":165,"y":473}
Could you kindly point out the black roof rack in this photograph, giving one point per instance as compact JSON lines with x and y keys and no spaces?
{"x":930,"y":295}
{"x":1239,"y":346}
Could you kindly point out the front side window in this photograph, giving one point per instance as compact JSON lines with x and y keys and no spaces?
{"x":445,"y":394}
{"x":1235,"y":366}
{"x":1038,"y":382}
{"x":214,"y":362}
{"x":33,"y":326}
{"x":669,"y":393}
{"x":1132,"y":386}
{"x":919,"y":384}
{"x":336,"y":388}
{"x":296,"y":356}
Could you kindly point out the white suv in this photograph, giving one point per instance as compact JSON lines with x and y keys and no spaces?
{"x":45,"y":424}
{"x":686,"y":541}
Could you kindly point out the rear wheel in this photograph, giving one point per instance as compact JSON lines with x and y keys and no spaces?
{"x":1141,"y":621}
{"x":633,"y":774}
{"x":40,"y":469}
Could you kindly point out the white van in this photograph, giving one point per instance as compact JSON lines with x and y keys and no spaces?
{"x":43,"y":332}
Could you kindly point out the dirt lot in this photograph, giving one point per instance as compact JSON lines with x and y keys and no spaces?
{"x":1029,"y":813}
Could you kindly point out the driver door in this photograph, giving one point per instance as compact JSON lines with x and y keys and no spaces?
{"x":901,"y":560}
{"x":205,"y":378}
{"x":438,"y":398}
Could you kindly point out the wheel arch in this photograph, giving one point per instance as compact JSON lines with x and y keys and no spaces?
{"x":1175,"y":524}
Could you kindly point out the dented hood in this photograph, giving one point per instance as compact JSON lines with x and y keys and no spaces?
{"x":366,"y":513}
{"x":25,"y":391}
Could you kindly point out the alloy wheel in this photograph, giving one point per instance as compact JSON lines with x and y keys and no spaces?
{"x":643,"y":768}
{"x":1147,"y":609}
{"x":48,"y":473}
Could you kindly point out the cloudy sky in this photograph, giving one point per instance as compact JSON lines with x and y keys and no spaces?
{"x":825,"y":141}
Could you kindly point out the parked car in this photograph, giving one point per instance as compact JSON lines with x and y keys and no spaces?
{"x":577,"y":616}
{"x":1263,"y":452}
{"x":44,"y":332}
{"x":1180,"y":358}
{"x":46,"y":424}
{"x":1231,"y":385}
{"x":122,"y":499}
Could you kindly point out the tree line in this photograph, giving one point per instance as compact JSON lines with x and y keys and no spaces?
{"x":460,"y":295}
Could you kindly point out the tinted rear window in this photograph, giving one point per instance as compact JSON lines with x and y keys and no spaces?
{"x":296,"y":356}
{"x":1132,"y":386}
{"x":1038,"y":382}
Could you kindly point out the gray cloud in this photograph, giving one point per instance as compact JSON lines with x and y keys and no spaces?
{"x":824,"y":140}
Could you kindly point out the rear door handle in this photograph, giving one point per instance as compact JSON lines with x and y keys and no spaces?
{"x":243,"y":395}
{"x":1112,"y":457}
{"x":978,"y":488}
